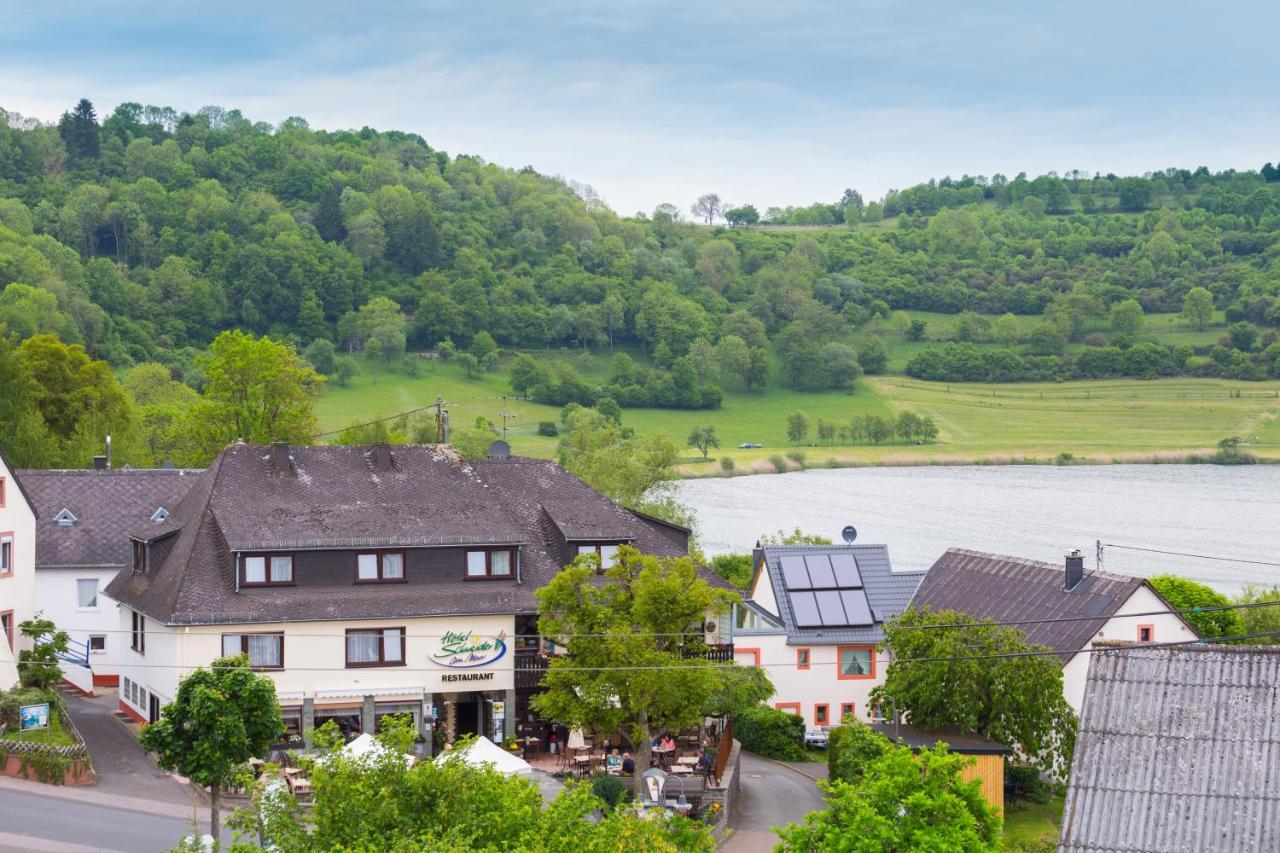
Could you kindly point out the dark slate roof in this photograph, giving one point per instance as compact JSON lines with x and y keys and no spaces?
{"x":919,"y":737}
{"x":106,"y":504}
{"x":18,"y":481}
{"x":888,"y":592}
{"x":1177,"y":751}
{"x":345,"y":497}
{"x":1008,"y":589}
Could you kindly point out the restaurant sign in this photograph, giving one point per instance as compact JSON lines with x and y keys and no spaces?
{"x":464,"y":650}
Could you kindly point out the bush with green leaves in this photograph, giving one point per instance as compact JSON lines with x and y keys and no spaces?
{"x":1024,"y":782}
{"x":12,"y":700}
{"x":610,"y":791}
{"x":1185,"y":594}
{"x":548,"y":429}
{"x":852,"y":747}
{"x":771,"y":733}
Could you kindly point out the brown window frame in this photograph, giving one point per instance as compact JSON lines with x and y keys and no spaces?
{"x":267,"y":555}
{"x":1151,"y":633}
{"x":577,"y":552}
{"x":807,"y":661}
{"x":244,"y":647}
{"x":488,"y":564}
{"x":380,"y":553}
{"x":382,"y":648}
{"x":13,"y":552}
{"x":2,"y":492}
{"x":138,"y":633}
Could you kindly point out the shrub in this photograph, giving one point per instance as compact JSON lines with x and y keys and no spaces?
{"x":726,"y":464}
{"x":548,"y":428}
{"x":779,"y":464}
{"x":1025,"y":782}
{"x":771,"y":733}
{"x":853,"y":746}
{"x":797,"y":456}
{"x":610,"y":790}
{"x":11,"y":700}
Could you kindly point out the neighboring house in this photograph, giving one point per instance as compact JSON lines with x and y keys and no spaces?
{"x":17,"y":568}
{"x":1089,"y":606}
{"x":987,"y":757}
{"x":813,"y":618}
{"x":1177,"y":750}
{"x":365,"y":580}
{"x":82,"y":542}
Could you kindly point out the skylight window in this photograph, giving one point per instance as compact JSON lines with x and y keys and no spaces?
{"x":159,"y":515}
{"x":65,"y":518}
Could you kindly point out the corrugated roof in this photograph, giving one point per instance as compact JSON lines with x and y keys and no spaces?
{"x":1178,"y":750}
{"x":888,"y":592}
{"x":105,"y":504}
{"x":1009,"y":589}
{"x":333,"y":498}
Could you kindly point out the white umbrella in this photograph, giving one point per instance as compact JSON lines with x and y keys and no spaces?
{"x":483,"y":751}
{"x":576,"y":739}
{"x":366,"y":745}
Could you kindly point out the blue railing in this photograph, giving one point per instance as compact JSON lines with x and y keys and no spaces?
{"x":76,"y":653}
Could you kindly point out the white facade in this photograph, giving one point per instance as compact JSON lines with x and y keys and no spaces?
{"x":1164,"y":628}
{"x":450,"y":665}
{"x":17,"y":570}
{"x":73,"y":599}
{"x":809,"y":680}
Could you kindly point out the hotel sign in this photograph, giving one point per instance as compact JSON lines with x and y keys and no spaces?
{"x":466,"y":650}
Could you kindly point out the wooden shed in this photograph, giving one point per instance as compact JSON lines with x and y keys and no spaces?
{"x":989,"y":756}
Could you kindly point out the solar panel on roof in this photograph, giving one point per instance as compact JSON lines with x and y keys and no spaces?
{"x":806,"y":610}
{"x":794,"y":574}
{"x":820,"y":571}
{"x":831,"y":609}
{"x":846,"y":571}
{"x":856,"y":607}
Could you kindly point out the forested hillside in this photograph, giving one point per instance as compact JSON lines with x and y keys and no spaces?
{"x":145,"y":233}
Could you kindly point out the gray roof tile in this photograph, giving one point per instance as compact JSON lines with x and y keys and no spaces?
{"x":105,"y":504}
{"x":1178,"y":750}
{"x":1006,"y":589}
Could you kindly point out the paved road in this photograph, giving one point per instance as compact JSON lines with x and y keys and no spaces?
{"x":770,"y":795}
{"x":35,"y":817}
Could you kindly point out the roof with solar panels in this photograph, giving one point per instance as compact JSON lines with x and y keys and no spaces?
{"x":832,"y":593}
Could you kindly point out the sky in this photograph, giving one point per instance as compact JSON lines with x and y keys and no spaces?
{"x":775,"y":104}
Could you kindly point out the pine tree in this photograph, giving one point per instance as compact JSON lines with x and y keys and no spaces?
{"x":79,"y":131}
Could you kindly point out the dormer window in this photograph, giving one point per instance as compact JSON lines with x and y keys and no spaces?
{"x":380,"y":567}
{"x":607,"y":552}
{"x":65,"y":518}
{"x":266,"y":570}
{"x":159,"y":515}
{"x":490,"y":563}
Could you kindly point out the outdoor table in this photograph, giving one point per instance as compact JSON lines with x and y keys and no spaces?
{"x":681,"y":770}
{"x":687,"y":759}
{"x":292,"y":771}
{"x":300,"y":785}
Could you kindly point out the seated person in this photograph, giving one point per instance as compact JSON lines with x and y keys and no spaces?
{"x":657,"y":741}
{"x":613,"y":762}
{"x":705,"y":762}
{"x":668,"y":743}
{"x":628,"y":763}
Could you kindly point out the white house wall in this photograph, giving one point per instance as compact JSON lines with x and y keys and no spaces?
{"x":57,"y":596}
{"x":762,"y":592}
{"x":801,"y":691}
{"x":1124,"y":628}
{"x":17,"y":588}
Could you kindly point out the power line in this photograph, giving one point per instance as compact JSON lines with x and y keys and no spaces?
{"x":378,"y":421}
{"x":1195,"y":556}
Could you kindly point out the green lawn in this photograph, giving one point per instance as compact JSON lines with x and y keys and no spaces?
{"x":1031,"y":827}
{"x":55,"y":734}
{"x":1106,"y":420}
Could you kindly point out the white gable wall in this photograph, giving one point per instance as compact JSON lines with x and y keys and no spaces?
{"x":762,"y":592}
{"x":1124,"y":628}
{"x":17,"y":587}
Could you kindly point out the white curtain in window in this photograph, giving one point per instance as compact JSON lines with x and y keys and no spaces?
{"x":362,"y":647}
{"x":282,"y":569}
{"x":475,"y":564}
{"x":608,"y":555}
{"x":230,"y":645}
{"x":87,"y":592}
{"x":855,"y":662}
{"x":500,"y":562}
{"x":391,"y":645}
{"x":392,"y":566}
{"x":367,"y":567}
{"x":264,"y":649}
{"x":255,"y":569}
{"x":586,"y":549}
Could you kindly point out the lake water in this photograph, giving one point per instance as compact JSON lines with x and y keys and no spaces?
{"x":1039,"y":512}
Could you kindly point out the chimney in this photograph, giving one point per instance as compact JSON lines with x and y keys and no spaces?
{"x":381,"y":458}
{"x":757,"y":554}
{"x":1075,"y":569}
{"x":281,"y":462}
{"x":99,"y":463}
{"x":108,"y":453}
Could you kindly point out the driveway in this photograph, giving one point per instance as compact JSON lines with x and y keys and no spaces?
{"x":770,"y":795}
{"x":120,"y":763}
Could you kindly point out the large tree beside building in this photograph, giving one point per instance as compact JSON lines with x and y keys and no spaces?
{"x":635,"y":656}
{"x":221,"y":717}
{"x":950,"y":670}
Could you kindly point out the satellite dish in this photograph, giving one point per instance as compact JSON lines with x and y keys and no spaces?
{"x":849,"y":533}
{"x":499,"y":450}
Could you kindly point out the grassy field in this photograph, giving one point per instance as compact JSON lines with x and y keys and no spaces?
{"x":1100,"y":421}
{"x":1028,"y":826}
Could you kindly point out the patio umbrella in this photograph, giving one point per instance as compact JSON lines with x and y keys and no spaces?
{"x":483,"y":751}
{"x":576,"y":739}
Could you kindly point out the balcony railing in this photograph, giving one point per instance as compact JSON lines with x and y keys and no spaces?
{"x":531,"y":666}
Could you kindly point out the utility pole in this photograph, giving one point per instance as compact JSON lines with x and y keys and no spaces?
{"x":1097,"y":550}
{"x":442,"y":421}
{"x":504,"y":414}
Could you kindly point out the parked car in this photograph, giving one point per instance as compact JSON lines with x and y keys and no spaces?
{"x":749,"y":445}
{"x":817,"y":737}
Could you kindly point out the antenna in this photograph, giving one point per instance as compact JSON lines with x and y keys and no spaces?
{"x":504,"y":414}
{"x":442,"y":421}
{"x":849,"y":534}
